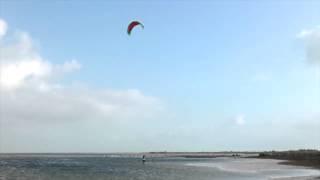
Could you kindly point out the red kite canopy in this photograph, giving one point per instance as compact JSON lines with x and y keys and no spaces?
{"x":132,"y":25}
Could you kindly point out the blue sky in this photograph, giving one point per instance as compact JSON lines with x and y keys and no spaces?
{"x":213,"y":65}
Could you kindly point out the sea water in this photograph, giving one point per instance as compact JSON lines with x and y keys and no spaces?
{"x":115,"y":167}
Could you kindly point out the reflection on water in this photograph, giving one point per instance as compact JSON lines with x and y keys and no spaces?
{"x":119,"y":168}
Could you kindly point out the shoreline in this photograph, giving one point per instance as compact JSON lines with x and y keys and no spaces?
{"x":311,"y":164}
{"x":300,"y":163}
{"x":306,"y":158}
{"x":263,"y":167}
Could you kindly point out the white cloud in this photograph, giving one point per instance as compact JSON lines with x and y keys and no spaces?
{"x":3,"y":28}
{"x":75,"y":104}
{"x":240,"y":120}
{"x":38,"y":113}
{"x":13,"y":74}
{"x":25,"y":79}
{"x":21,"y":63}
{"x":70,"y":66}
{"x":311,"y":38}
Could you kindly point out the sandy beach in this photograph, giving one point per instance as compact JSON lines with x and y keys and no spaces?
{"x":269,"y":168}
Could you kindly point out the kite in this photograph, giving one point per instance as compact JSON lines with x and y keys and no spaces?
{"x":132,"y":25}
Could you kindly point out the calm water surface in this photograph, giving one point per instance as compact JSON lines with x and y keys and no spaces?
{"x":131,"y":168}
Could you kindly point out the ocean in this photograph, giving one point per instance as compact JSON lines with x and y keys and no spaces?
{"x":115,"y":167}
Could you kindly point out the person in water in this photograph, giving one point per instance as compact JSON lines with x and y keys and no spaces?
{"x":143,"y":158}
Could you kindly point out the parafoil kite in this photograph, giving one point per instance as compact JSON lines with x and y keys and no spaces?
{"x":132,"y":25}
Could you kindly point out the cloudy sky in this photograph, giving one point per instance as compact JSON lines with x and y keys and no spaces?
{"x":201,"y":76}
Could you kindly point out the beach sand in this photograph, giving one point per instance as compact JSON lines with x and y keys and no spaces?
{"x":269,"y":168}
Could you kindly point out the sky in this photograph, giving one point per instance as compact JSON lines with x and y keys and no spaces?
{"x":201,"y":76}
